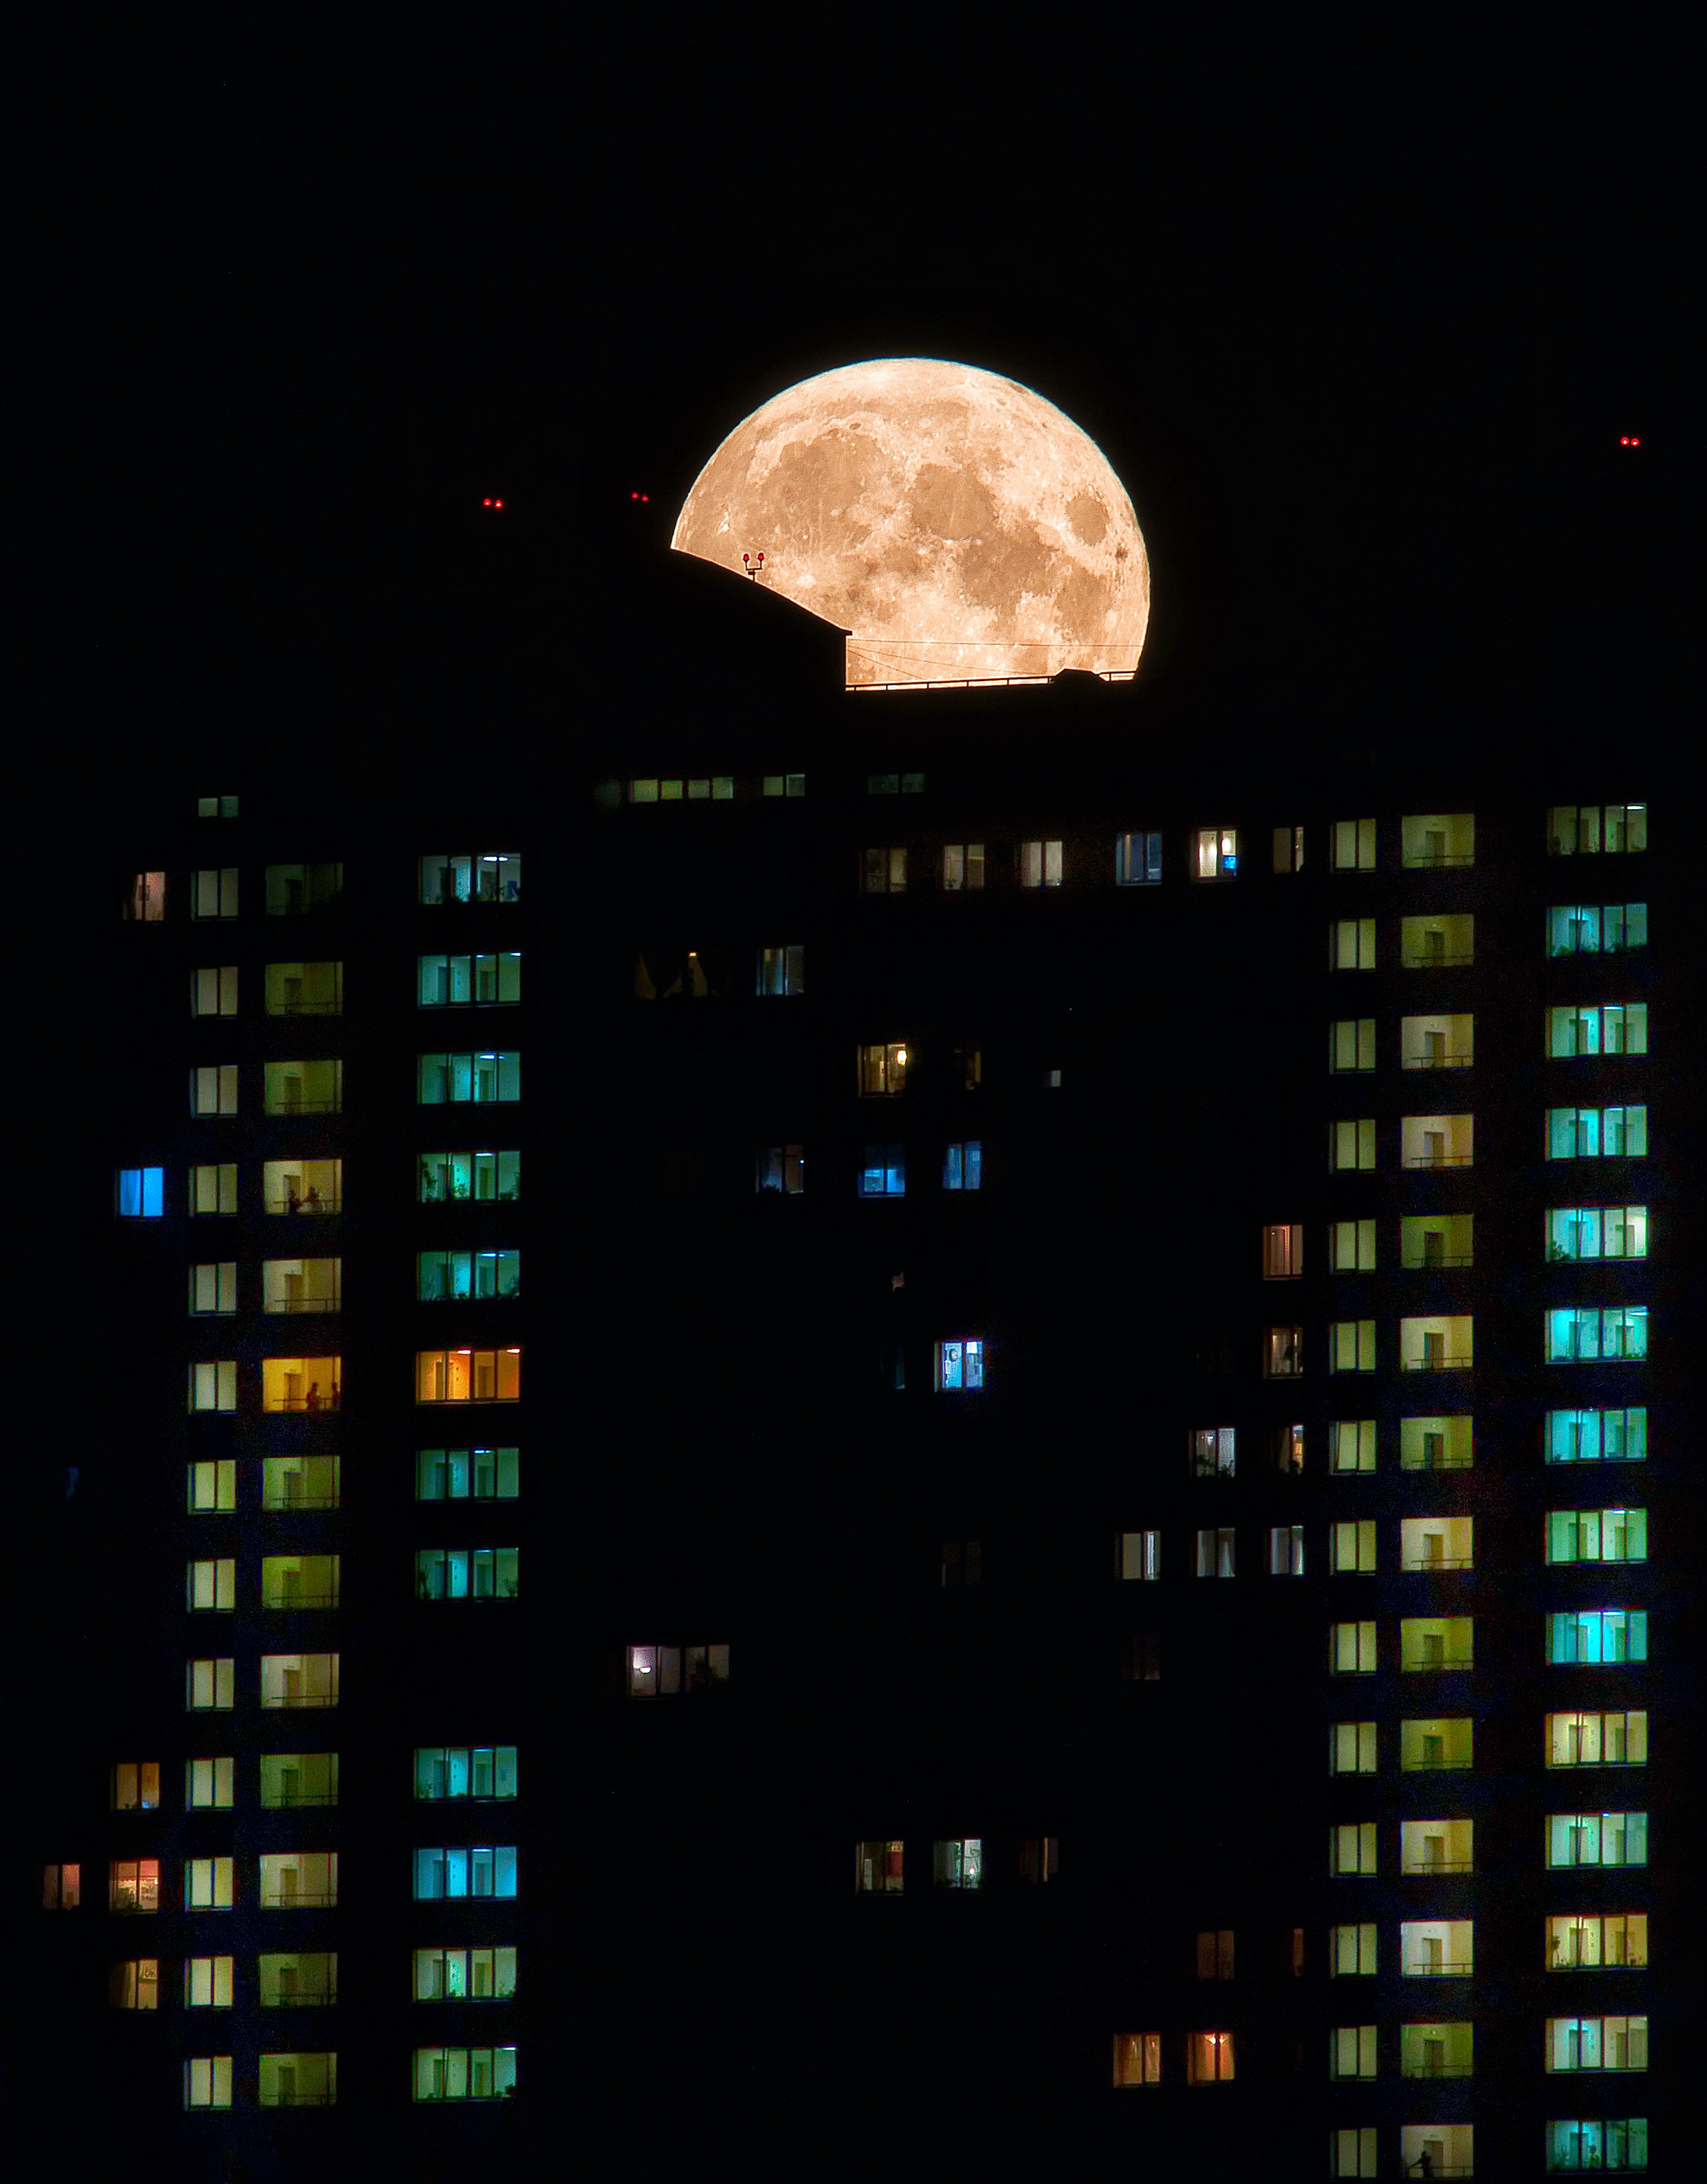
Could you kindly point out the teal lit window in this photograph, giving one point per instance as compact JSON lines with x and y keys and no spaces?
{"x":1597,"y":1637}
{"x":141,"y":1192}
{"x":883,"y":1174}
{"x":1596,"y":1436}
{"x":1576,"y":1332}
{"x":479,"y":1771}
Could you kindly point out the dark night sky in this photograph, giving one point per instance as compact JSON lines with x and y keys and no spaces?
{"x":1362,"y":365}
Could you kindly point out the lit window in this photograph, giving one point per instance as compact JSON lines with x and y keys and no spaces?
{"x":1351,"y":1445}
{"x":296,"y":2080}
{"x":1286,"y":1550}
{"x":781,"y":971}
{"x":300,"y":1982}
{"x":467,"y":2073}
{"x":299,"y":1679}
{"x":465,"y":1975}
{"x":145,"y":903}
{"x":1141,"y":1555}
{"x":460,"y":1475}
{"x":1214,"y":1452}
{"x":959,"y":1364}
{"x":1436,"y":1042}
{"x":1351,"y":1849}
{"x":133,"y":1884}
{"x":877,"y":1867}
{"x":135,"y":1985}
{"x":883,"y":1070}
{"x":1353,"y":845}
{"x":457,"y":982}
{"x":214,"y":1089}
{"x":1352,"y":1246}
{"x":1351,"y":1649}
{"x":210,"y":1686}
{"x":1594,"y":1133}
{"x":210,"y":1585}
{"x":1436,"y":1745}
{"x":1436,"y":1342}
{"x":963,"y":1165}
{"x":1590,"y":929}
{"x":1137,"y":2058}
{"x":207,"y":1884}
{"x":1432,"y":840}
{"x":214,"y":1189}
{"x":1578,"y":1332}
{"x":1351,"y":1345}
{"x":214,"y":992}
{"x":1597,"y":2043}
{"x":784,"y":784}
{"x":1437,"y":1443}
{"x":1434,"y":942}
{"x":1597,"y":1536}
{"x":1598,"y":1027}
{"x":493,"y":877}
{"x":483,"y":1870}
{"x":1218,"y":853}
{"x":62,"y":1888}
{"x":212,"y":1488}
{"x":213,"y":892}
{"x":1137,"y":860}
{"x":963,"y":867}
{"x":1351,"y":2151}
{"x":1580,"y":1940}
{"x":141,"y":1192}
{"x":1351,"y":1145}
{"x":1351,"y":944}
{"x":313,"y":1385}
{"x":1289,"y":849}
{"x":1285,"y":1444}
{"x":957,"y":1862}
{"x":1597,"y":1637}
{"x":1618,"y":2142}
{"x":1597,"y":1740}
{"x":643,"y":791}
{"x":1351,"y":2051}
{"x":1436,"y":1948}
{"x":1428,"y":1642}
{"x":1575,"y":830}
{"x":136,"y":1785}
{"x":449,"y":1277}
{"x":289,"y":1780}
{"x":293,"y":1187}
{"x":1597,"y":1232}
{"x":1351,"y":1747}
{"x":1438,"y":1141}
{"x":665,"y":1672}
{"x":1354,"y":1546}
{"x":1596,"y":1436}
{"x":883,"y":1172}
{"x":884,"y":871}
{"x":294,"y":890}
{"x":779,"y":1170}
{"x":1208,"y":2059}
{"x":299,"y":1581}
{"x":468,"y":1376}
{"x":299,"y":1878}
{"x":478,"y":1771}
{"x":303,"y":1088}
{"x":444,"y":1179}
{"x":1283,"y":1353}
{"x":459,"y":1079}
{"x":208,"y":2081}
{"x":1216,"y":1551}
{"x":1428,"y":1846}
{"x":1351,"y":1045}
{"x":1437,"y":1543}
{"x":468,"y":1574}
{"x":216,"y":807}
{"x":1040,"y":864}
{"x":209,"y":1785}
{"x":1282,"y":1253}
{"x":1351,"y":1952}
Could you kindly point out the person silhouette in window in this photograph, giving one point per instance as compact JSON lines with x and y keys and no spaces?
{"x":311,"y":1401}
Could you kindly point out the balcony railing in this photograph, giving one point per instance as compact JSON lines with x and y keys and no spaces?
{"x":1423,"y":1869}
{"x":1429,"y":1260}
{"x":1446,"y":1461}
{"x":1454,"y":1362}
{"x":300,"y":1304}
{"x":301,"y":1700}
{"x":285,"y":1503}
{"x":1426,"y":1666}
{"x":1419,"y":861}
{"x":297,"y":2000}
{"x":278,"y":1604}
{"x":311,"y":1403}
{"x":1456,"y":1967}
{"x":283,"y":1803}
{"x":312,"y":1204}
{"x":1434,"y":1766}
{"x":1426,"y":1563}
{"x":303,"y":1107}
{"x":1438,"y":1061}
{"x":1440,"y":1160}
{"x":1425,"y":963}
{"x":306,"y":1899}
{"x":1437,"y":2070}
{"x":323,"y":2101}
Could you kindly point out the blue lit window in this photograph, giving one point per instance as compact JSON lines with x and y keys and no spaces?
{"x":963,"y":1165}
{"x":959,"y":1365}
{"x":1596,"y":1436}
{"x":1579,"y":1332}
{"x":1597,"y":1637}
{"x":141,"y":1192}
{"x":884,"y":1172}
{"x":1137,"y":860}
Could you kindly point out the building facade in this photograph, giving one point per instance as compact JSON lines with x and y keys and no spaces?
{"x":974,"y":1437}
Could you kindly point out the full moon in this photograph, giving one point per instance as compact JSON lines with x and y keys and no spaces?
{"x":957,"y":524}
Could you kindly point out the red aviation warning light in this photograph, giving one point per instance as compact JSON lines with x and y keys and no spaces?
{"x":1630,"y":439}
{"x":746,"y":563}
{"x":490,"y":503}
{"x":640,"y":496}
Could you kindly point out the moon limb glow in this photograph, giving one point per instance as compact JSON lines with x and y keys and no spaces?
{"x":955,"y":522}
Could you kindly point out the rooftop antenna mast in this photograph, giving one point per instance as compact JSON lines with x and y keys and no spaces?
{"x":752,"y":569}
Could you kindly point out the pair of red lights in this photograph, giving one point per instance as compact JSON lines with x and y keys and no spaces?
{"x":1630,"y":440}
{"x":640,"y":496}
{"x":490,"y":503}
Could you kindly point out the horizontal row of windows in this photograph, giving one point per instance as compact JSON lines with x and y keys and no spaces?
{"x":289,"y":890}
{"x":288,"y":989}
{"x":1435,"y":1442}
{"x":1446,"y":1744}
{"x":1443,"y":1846}
{"x":304,"y":1979}
{"x":288,"y":1779}
{"x":311,"y":2080}
{"x":313,"y":1482}
{"x":1434,"y":1342}
{"x":313,"y":1386}
{"x":1449,"y":1041}
{"x":1592,"y":1637}
{"x":284,"y":1881}
{"x":1426,"y":1544}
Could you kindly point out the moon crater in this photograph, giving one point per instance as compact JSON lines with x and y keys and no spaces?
{"x":955,"y":522}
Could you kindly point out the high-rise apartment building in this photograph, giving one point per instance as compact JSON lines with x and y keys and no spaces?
{"x":865,"y":1423}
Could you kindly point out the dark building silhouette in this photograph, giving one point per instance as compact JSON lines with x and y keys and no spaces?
{"x":848,"y":1428}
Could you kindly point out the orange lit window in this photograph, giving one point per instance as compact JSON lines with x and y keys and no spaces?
{"x":1137,"y":2058}
{"x":1208,"y":2057}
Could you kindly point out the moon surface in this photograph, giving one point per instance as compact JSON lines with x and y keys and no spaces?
{"x":957,"y":524}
